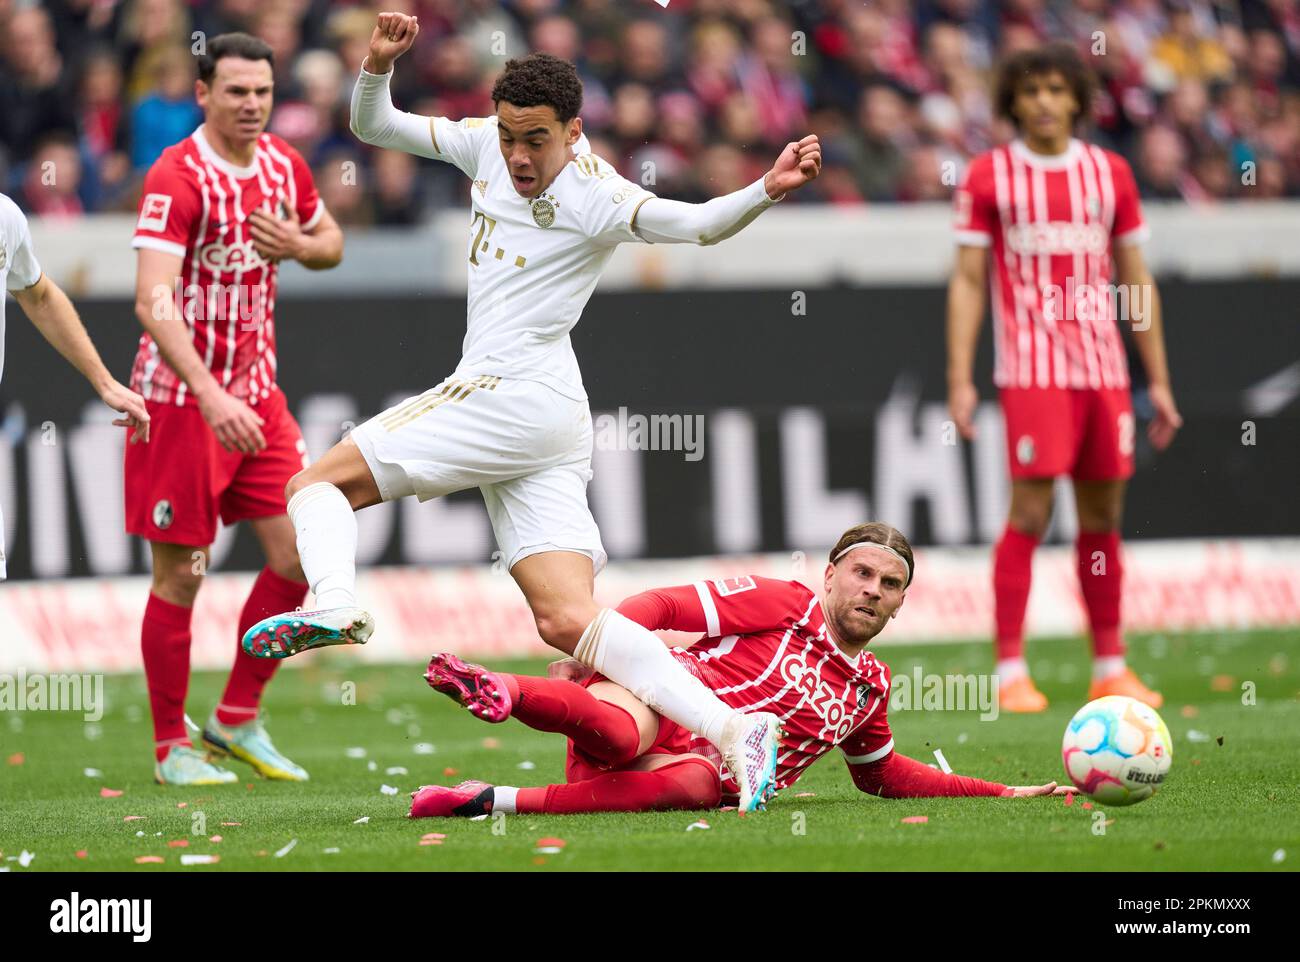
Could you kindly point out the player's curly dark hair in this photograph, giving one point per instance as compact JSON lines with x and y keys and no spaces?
{"x":1057,"y":57}
{"x":540,"y":80}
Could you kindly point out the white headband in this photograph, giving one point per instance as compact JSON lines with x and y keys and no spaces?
{"x":880,"y":547}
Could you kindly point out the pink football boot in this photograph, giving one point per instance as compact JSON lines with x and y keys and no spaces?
{"x":466,"y":800}
{"x":483,"y":692}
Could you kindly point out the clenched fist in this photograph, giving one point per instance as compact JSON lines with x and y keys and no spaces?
{"x":393,"y":35}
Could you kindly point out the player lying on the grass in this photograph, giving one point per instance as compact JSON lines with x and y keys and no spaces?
{"x":513,"y":420}
{"x":768,"y":645}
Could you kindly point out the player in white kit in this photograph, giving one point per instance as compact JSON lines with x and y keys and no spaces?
{"x":49,"y":309}
{"x":513,"y":419}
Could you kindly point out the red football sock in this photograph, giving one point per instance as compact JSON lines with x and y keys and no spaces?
{"x":690,"y":783}
{"x":604,"y":731}
{"x":1012,"y":569}
{"x":1101,"y":574}
{"x":271,"y":595}
{"x":165,"y":644}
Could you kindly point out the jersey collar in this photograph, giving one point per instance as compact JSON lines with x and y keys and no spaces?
{"x":829,"y":633}
{"x":209,"y":153}
{"x":1048,"y":161}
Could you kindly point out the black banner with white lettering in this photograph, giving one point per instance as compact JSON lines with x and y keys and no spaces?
{"x":725,"y":422}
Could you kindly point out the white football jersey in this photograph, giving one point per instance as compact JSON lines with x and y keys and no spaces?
{"x":532,"y":263}
{"x":18,"y":267}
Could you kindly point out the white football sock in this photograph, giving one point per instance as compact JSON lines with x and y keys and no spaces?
{"x":637,"y":659}
{"x":503,"y":799}
{"x":1011,"y":669}
{"x":1107,"y":666}
{"x":327,"y":543}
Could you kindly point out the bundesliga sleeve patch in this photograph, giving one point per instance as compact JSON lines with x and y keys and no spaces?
{"x":153,"y":212}
{"x":734,"y":586}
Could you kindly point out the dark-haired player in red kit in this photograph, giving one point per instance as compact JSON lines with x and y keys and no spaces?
{"x":219,"y":211}
{"x":1045,"y":223}
{"x":765,"y":645}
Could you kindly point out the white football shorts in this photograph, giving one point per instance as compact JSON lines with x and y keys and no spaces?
{"x":526,"y":447}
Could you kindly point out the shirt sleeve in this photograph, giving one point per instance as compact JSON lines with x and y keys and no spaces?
{"x":727,"y":606}
{"x":310,"y":206}
{"x":169,"y":207}
{"x":872,"y":741}
{"x":461,"y":142}
{"x":1130,"y":227}
{"x":975,"y":214}
{"x":610,"y":203}
{"x":24,"y":271}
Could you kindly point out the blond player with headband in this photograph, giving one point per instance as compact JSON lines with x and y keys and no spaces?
{"x":765,"y":645}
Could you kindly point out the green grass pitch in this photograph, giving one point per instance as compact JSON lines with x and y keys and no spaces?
{"x":1229,"y":806}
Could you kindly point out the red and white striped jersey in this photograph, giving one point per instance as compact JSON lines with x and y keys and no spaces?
{"x":765,"y":648}
{"x":1051,"y":221}
{"x":196,"y":205}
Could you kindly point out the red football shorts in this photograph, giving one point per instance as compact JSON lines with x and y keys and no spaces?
{"x":179,"y":483}
{"x":672,"y":739}
{"x":1087,"y":434}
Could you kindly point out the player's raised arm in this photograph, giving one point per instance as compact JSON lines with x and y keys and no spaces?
{"x":661,"y":221}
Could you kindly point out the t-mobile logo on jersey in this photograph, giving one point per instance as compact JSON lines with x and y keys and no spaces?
{"x":82,"y":916}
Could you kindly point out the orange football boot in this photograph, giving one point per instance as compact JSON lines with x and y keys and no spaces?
{"x":1021,"y":696}
{"x":1125,"y":683}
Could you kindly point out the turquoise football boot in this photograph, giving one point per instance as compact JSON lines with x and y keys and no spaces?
{"x":250,"y":743}
{"x":283,"y":635}
{"x":188,"y":766}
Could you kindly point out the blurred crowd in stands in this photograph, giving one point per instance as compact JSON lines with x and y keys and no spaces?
{"x":1203,"y":97}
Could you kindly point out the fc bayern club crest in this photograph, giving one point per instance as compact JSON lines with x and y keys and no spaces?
{"x":543,"y":212}
{"x":163,"y":515}
{"x":1025,"y":449}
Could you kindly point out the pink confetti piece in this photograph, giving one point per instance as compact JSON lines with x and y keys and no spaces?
{"x":1069,"y":798}
{"x":1087,"y":805}
{"x":448,"y":772}
{"x":17,"y":758}
{"x":727,"y":808}
{"x":149,"y":860}
{"x":429,"y":835}
{"x":179,"y":843}
{"x":82,"y":853}
{"x":109,"y":793}
{"x":551,"y":842}
{"x":916,"y":820}
{"x":182,"y":804}
{"x":215,"y":838}
{"x":134,"y":818}
{"x":430,"y":841}
{"x":228,"y":824}
{"x":804,"y":794}
{"x":490,"y":742}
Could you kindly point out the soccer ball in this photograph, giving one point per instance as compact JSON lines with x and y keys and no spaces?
{"x":1117,"y":750}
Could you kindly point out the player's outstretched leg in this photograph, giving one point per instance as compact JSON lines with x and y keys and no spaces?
{"x":689,"y":783}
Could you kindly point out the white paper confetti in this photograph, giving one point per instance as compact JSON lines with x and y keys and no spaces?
{"x":526,"y":766}
{"x":201,"y":859}
{"x":25,"y":858}
{"x":362,"y":820}
{"x":1197,"y":736}
{"x":371,"y":766}
{"x":396,"y":770}
{"x":287,"y":849}
{"x":478,"y":818}
{"x":388,"y":789}
{"x":701,"y":824}
{"x":1279,"y":855}
{"x":330,"y":851}
{"x":943,"y":762}
{"x":423,"y":748}
{"x":93,"y":773}
{"x":355,"y":752}
{"x":139,"y":834}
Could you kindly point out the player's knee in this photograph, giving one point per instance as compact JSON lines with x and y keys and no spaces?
{"x":299,"y":481}
{"x":178,"y":584}
{"x":698,"y":784}
{"x":1031,"y":517}
{"x":561,"y":626}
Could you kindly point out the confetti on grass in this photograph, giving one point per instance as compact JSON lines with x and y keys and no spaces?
{"x":109,"y":793}
{"x":1069,"y":798}
{"x":228,"y":824}
{"x":526,"y":766}
{"x":134,"y":818}
{"x":396,"y":770}
{"x":330,"y":851}
{"x":200,"y":859}
{"x":943,"y":762}
{"x":701,"y":824}
{"x":916,"y":820}
{"x":179,"y":843}
{"x":549,"y":846}
{"x":92,"y":773}
{"x":17,"y":758}
{"x":805,"y":794}
{"x":388,"y":789}
{"x":362,"y":820}
{"x":287,"y":849}
{"x":1279,"y":856}
{"x":149,"y":860}
{"x":355,"y":752}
